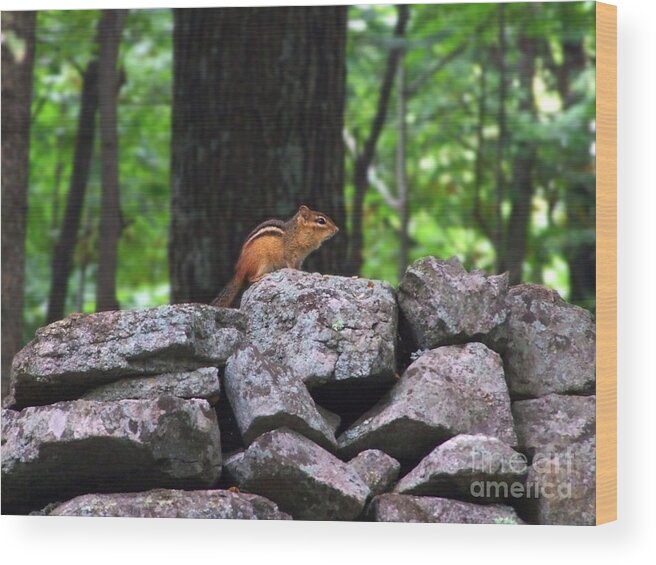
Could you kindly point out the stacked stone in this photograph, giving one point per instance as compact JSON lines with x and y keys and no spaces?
{"x":118,"y":413}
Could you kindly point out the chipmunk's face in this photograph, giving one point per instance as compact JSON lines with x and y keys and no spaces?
{"x":321,"y":224}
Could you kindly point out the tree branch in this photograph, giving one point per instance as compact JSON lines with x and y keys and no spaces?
{"x":376,"y":181}
{"x":438,"y":65}
{"x":364,"y":159}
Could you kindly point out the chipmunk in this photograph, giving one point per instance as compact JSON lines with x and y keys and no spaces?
{"x":274,"y":245}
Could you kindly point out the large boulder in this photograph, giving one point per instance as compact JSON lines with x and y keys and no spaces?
{"x":265,"y":395}
{"x":469,"y":467}
{"x":548,"y":345}
{"x":201,"y":383}
{"x":69,"y":448}
{"x":72,"y":356}
{"x":326,"y":329}
{"x":451,"y":390}
{"x":441,"y":303}
{"x":558,"y":433}
{"x":304,"y":479}
{"x":377,"y":470}
{"x":563,"y":486}
{"x":553,"y":422}
{"x":163,"y":503}
{"x":407,"y":508}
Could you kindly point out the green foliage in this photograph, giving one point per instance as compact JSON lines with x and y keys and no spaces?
{"x":65,"y":43}
{"x":338,"y":325}
{"x":506,"y":520}
{"x":442,"y":120}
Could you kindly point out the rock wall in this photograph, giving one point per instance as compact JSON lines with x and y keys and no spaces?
{"x":452,"y":399}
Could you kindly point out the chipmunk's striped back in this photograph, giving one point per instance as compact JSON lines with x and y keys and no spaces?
{"x":270,"y":227}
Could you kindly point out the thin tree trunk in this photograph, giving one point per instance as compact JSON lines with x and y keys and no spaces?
{"x":111,"y":26}
{"x":498,"y":240}
{"x":257,"y":121}
{"x":365,"y":158}
{"x":56,"y":193}
{"x":517,"y":231}
{"x":84,"y":141}
{"x":401,"y":170}
{"x":18,"y":38}
{"x":479,"y":164}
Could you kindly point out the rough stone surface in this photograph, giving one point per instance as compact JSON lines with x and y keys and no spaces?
{"x":72,"y":356}
{"x":377,"y":470}
{"x":333,"y":420}
{"x":304,"y":479}
{"x":565,"y":481}
{"x":441,"y":303}
{"x":467,"y":467}
{"x":553,"y":422}
{"x":231,"y":463}
{"x":448,"y":391}
{"x":265,"y":396}
{"x":201,"y":383}
{"x":163,"y":503}
{"x":8,"y":418}
{"x":152,"y":405}
{"x":325,"y":328}
{"x":75,"y":447}
{"x":548,"y":345}
{"x":408,"y":508}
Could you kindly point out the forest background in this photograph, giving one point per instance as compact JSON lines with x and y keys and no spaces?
{"x":139,"y":147}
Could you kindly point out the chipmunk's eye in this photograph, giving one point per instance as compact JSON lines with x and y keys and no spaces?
{"x":321,"y":220}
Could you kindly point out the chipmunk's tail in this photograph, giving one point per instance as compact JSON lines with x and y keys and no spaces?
{"x":227,"y":296}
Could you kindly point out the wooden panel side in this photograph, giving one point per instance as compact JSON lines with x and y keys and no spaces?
{"x":606,"y":148}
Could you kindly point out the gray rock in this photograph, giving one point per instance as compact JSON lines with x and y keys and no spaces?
{"x":304,"y":479}
{"x":333,"y":420}
{"x":548,"y":345}
{"x":553,"y":422}
{"x":59,"y":451}
{"x":377,"y":470}
{"x":469,"y":467}
{"x":231,"y":462}
{"x":201,"y":383}
{"x":407,"y":508}
{"x":72,"y":356}
{"x":8,"y":418}
{"x":563,"y":486}
{"x":325,"y":328}
{"x":448,"y":391}
{"x":162,"y":503}
{"x":441,"y":303}
{"x":265,"y":396}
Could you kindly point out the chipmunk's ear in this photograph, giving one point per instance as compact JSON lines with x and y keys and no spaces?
{"x":304,"y":212}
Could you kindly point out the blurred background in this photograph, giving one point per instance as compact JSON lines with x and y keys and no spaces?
{"x":140,"y":147}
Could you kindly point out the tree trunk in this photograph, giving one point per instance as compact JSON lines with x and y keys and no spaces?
{"x":401,"y":170}
{"x":84,"y":141}
{"x":110,"y":29}
{"x":257,"y":119}
{"x":580,"y":255}
{"x":18,"y":38}
{"x":500,"y":181}
{"x":479,"y":162}
{"x":517,"y":231}
{"x":365,"y":157}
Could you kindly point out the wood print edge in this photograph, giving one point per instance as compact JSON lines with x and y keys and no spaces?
{"x":606,"y":224}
